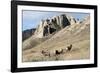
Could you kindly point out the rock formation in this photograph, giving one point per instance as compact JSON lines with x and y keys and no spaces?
{"x":54,"y":24}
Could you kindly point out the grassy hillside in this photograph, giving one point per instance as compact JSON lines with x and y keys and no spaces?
{"x":78,"y":35}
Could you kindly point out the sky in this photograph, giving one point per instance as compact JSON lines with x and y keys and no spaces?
{"x":30,"y":18}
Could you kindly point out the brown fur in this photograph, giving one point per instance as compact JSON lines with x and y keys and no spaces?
{"x":69,"y":47}
{"x":45,"y":53}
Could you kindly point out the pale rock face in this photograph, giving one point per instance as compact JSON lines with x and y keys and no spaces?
{"x":39,"y":29}
{"x":71,"y":19}
{"x":64,"y":21}
{"x":56,"y":23}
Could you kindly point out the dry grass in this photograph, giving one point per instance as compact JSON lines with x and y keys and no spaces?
{"x":79,"y":40}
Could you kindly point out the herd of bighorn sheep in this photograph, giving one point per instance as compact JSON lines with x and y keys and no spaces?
{"x":56,"y":52}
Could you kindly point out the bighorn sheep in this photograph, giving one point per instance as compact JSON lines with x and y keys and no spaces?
{"x":57,"y":52}
{"x":45,"y":52}
{"x":69,"y":47}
